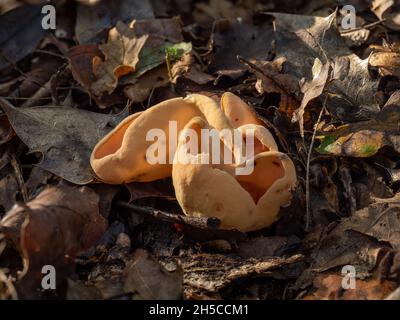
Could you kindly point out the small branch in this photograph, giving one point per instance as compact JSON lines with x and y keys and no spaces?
{"x":198,"y":222}
{"x":267,"y":74}
{"x":366,"y":26}
{"x":308,"y":214}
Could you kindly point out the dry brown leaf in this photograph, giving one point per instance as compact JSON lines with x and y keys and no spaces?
{"x":312,"y":89}
{"x":231,"y":39}
{"x":140,"y":91}
{"x":95,"y":17}
{"x":388,"y":10}
{"x":81,"y":63}
{"x":52,"y":229}
{"x":365,"y":138}
{"x":329,"y":287}
{"x":64,"y":135}
{"x":187,"y":68}
{"x":148,"y":280}
{"x":380,"y":220}
{"x":9,"y":189}
{"x":387,"y":61}
{"x":301,"y":39}
{"x":121,"y":54}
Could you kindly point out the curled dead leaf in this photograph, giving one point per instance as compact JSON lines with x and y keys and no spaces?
{"x":52,"y":229}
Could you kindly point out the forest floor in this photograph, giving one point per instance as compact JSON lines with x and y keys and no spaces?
{"x":325,"y":82}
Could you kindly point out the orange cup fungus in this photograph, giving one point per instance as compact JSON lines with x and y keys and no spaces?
{"x":245,"y":202}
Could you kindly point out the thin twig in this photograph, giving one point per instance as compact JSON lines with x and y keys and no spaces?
{"x":270,"y":76}
{"x":41,"y":93}
{"x":198,"y":222}
{"x":25,"y":98}
{"x":308,"y":215}
{"x":51,"y":53}
{"x":150,"y":96}
{"x":19,"y":177}
{"x":366,"y":26}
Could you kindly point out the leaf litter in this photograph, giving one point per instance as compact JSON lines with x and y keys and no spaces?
{"x":291,"y":64}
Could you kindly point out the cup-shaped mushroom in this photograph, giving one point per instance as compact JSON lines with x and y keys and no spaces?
{"x":237,"y":111}
{"x":142,"y":147}
{"x":243,"y":202}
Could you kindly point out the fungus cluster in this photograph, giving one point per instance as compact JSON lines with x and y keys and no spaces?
{"x":245,"y":202}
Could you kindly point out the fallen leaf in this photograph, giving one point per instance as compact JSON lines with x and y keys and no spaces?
{"x":9,"y":189}
{"x":8,"y":5}
{"x":20,"y":33}
{"x":93,"y":21}
{"x":64,"y":135}
{"x":232,"y":39}
{"x":148,"y":280}
{"x":121,"y":54}
{"x":343,"y":246}
{"x":152,"y":57}
{"x":187,"y":68}
{"x":52,"y":229}
{"x":162,"y":35}
{"x":388,"y":10}
{"x":301,"y":39}
{"x":365,"y":138}
{"x":81,"y":63}
{"x":312,"y":89}
{"x":146,"y":83}
{"x":387,"y":62}
{"x":329,"y":287}
{"x":380,"y":220}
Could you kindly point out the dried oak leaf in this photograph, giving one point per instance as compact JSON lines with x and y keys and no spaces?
{"x":52,"y":229}
{"x":147,"y":279}
{"x":121,"y":54}
{"x":365,"y":138}
{"x":64,"y":135}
